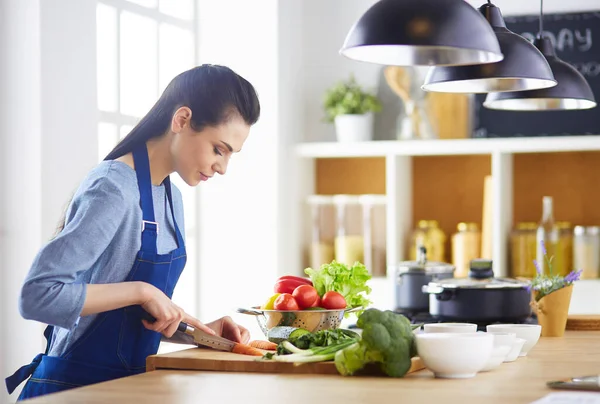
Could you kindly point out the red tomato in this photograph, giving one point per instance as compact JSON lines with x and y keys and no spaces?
{"x":333,"y":301}
{"x":317,"y":302}
{"x":285,"y":301}
{"x":306,"y":296}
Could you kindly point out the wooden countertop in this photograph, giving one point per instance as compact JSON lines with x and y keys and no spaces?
{"x":523,"y":381}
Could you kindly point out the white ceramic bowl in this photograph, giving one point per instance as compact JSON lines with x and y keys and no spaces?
{"x":515,"y":350}
{"x":450,"y":327}
{"x":455,"y":355}
{"x":503,"y":338}
{"x":529,"y":332}
{"x":498,"y":356}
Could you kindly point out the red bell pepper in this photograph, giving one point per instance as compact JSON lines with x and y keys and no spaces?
{"x":287,"y":284}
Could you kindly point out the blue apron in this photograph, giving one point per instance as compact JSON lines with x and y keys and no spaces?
{"x":116,"y":343}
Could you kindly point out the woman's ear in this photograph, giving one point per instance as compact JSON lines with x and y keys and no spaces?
{"x":181,"y":118}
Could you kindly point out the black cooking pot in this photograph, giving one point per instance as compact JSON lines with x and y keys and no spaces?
{"x":410,"y":278}
{"x":480,"y":297}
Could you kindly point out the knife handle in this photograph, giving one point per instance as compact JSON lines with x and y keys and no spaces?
{"x":183,"y":326}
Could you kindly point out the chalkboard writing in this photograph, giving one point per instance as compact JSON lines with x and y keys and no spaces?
{"x":576,"y":40}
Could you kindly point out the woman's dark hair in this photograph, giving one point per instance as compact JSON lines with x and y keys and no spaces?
{"x":215,"y":94}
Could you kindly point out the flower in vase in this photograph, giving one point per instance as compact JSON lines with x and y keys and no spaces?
{"x":544,"y":284}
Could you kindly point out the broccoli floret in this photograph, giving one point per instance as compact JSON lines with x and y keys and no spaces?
{"x":387,"y":339}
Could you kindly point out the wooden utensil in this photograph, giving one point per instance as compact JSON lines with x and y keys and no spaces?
{"x":399,"y":81}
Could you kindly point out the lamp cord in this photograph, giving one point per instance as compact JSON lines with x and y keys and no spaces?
{"x":541,"y":19}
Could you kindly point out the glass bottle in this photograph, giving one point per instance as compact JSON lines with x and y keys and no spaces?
{"x":548,"y":233}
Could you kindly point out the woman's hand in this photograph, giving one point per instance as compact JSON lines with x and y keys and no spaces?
{"x":167,"y":314}
{"x":227,"y":328}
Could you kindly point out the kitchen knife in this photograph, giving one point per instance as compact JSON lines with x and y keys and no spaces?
{"x":200,"y":337}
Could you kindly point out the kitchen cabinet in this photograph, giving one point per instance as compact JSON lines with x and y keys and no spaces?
{"x":443,"y":180}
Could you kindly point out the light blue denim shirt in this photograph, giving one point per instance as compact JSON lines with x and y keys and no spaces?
{"x":98,"y":245}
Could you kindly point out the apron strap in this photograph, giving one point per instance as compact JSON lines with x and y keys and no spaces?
{"x":149,"y":225}
{"x":170,"y":198}
{"x":12,"y":382}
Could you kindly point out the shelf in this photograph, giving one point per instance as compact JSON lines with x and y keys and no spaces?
{"x":448,"y":147}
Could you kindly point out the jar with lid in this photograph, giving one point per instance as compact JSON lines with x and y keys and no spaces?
{"x":322,"y":230}
{"x":349,"y":238}
{"x":523,"y":249}
{"x":586,"y":251}
{"x":374,"y":231}
{"x":429,"y":235}
{"x":466,"y":246}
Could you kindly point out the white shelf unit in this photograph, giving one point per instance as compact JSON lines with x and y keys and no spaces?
{"x":398,"y":155}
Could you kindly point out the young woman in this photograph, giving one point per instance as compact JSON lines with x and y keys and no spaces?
{"x":120,"y":249}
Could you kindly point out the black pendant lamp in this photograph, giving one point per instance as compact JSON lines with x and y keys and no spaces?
{"x":422,"y":33}
{"x":571,"y":93}
{"x":523,"y":67}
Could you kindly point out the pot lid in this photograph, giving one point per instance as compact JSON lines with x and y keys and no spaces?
{"x":422,"y":265}
{"x":488,"y":283}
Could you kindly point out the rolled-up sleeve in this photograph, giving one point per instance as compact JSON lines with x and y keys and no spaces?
{"x":52,"y":292}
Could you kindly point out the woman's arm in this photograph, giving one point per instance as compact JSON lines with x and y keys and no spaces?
{"x":110,"y":296}
{"x":53,"y":292}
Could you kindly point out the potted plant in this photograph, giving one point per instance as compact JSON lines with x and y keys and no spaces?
{"x":552,"y":297}
{"x":351,"y":109}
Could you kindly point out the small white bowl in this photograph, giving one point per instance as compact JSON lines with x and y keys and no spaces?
{"x":450,"y":327}
{"x":529,"y":332}
{"x":455,"y":355}
{"x":503,"y":338}
{"x":498,"y":356}
{"x":515,"y":350}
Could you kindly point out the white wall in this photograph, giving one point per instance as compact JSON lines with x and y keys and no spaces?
{"x":69,"y":113}
{"x":238,"y":237}
{"x":20,"y":173}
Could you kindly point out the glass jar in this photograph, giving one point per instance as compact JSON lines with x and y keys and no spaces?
{"x":466,"y":246}
{"x":322,"y":230}
{"x":429,"y":235}
{"x":564,"y":249}
{"x":523,"y":249}
{"x":349,"y":239}
{"x":586,"y":251}
{"x":374,"y":230}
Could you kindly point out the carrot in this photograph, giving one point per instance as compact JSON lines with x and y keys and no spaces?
{"x":266,"y":345}
{"x":246,"y":350}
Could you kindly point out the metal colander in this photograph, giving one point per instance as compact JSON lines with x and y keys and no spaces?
{"x":310,"y":320}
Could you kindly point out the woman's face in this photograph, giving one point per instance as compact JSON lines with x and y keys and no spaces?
{"x":197,"y":156}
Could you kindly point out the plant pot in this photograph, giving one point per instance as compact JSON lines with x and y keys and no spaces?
{"x":354,"y":128}
{"x":552,"y":311}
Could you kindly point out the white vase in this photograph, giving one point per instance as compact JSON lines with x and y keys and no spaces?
{"x":354,"y":128}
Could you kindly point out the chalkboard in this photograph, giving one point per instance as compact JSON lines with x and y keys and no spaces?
{"x":576,"y":40}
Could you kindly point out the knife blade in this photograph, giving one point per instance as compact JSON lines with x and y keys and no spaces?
{"x":200,"y":337}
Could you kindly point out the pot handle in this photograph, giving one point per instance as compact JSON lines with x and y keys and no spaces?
{"x":432,"y":290}
{"x":439,"y":292}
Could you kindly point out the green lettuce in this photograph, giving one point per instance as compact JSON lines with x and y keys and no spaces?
{"x":349,"y":282}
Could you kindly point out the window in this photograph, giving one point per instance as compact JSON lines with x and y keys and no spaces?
{"x":141,"y":46}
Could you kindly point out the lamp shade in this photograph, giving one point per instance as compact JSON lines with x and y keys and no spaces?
{"x":524,"y":67}
{"x":422,"y":33}
{"x":572,"y":91}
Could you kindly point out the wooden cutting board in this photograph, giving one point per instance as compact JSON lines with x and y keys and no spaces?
{"x":587,"y":322}
{"x":208,"y":359}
